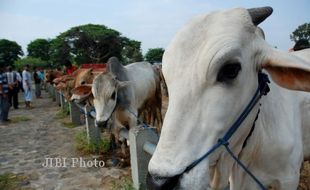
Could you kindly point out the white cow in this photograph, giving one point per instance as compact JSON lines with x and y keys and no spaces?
{"x":125,"y":92}
{"x":211,"y":70}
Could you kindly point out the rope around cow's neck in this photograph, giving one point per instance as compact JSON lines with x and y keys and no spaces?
{"x":262,"y":89}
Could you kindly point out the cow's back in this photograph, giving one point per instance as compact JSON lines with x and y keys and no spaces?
{"x":141,"y":76}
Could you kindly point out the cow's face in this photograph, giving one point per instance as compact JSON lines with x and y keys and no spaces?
{"x":83,"y":77}
{"x":105,"y":88}
{"x":211,"y":72}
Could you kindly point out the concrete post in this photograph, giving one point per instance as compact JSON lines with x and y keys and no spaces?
{"x":139,"y":159}
{"x":58,"y":98}
{"x":62,"y":100}
{"x":75,"y":113}
{"x":93,"y":132}
{"x":53,"y":91}
{"x":49,"y":87}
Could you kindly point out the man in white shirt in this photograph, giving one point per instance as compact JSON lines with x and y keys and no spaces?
{"x":27,"y":84}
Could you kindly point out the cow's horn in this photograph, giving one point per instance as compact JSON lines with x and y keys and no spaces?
{"x":258,"y":15}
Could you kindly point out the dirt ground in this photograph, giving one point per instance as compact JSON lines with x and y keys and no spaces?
{"x":34,"y":135}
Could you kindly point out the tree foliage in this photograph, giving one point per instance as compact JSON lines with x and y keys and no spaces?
{"x":9,"y":52}
{"x":302,"y":32}
{"x":131,"y":51}
{"x":32,"y":61}
{"x":39,"y":48}
{"x":93,"y":44}
{"x":154,"y":55}
{"x":59,"y":52}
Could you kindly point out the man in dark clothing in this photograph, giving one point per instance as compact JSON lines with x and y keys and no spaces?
{"x":4,"y":89}
{"x":13,"y":87}
{"x":37,"y":82}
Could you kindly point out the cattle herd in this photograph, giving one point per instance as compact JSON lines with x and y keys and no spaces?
{"x":211,"y":70}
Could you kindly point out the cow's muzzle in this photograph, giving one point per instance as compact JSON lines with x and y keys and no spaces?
{"x":160,"y":183}
{"x":101,"y":124}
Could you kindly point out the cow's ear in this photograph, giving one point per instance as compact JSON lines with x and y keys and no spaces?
{"x":81,"y":92}
{"x":288,"y":70}
{"x":122,"y":84}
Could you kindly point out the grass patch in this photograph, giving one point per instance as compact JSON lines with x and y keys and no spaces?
{"x":10,"y":181}
{"x":69,"y":124}
{"x":63,"y":113}
{"x":124,"y":184}
{"x":84,"y":147}
{"x":17,"y":119}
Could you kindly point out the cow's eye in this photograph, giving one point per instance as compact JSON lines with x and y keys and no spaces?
{"x":228,"y":72}
{"x":113,"y":95}
{"x":83,"y":82}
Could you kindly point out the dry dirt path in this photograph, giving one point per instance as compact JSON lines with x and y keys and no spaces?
{"x":24,"y":146}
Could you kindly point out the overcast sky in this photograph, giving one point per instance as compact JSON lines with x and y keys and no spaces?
{"x":153,"y":22}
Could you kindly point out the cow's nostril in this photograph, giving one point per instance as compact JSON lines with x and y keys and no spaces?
{"x":161,"y":183}
{"x":101,"y":124}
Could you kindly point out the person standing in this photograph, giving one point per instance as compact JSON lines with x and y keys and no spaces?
{"x":69,"y":67}
{"x":27,"y":83}
{"x":13,"y":87}
{"x":37,"y":82}
{"x":4,"y":102}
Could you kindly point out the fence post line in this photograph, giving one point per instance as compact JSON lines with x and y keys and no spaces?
{"x":74,"y":113}
{"x":93,"y":132}
{"x":139,"y":159}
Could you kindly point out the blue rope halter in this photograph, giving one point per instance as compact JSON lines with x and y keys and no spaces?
{"x":262,"y":89}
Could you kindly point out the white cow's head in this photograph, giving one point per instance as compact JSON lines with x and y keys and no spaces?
{"x":211,"y":70}
{"x":105,"y":90}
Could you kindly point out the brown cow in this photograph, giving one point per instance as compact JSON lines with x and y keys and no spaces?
{"x":79,"y":77}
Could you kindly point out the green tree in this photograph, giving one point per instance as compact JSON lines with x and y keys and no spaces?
{"x":154,"y":55}
{"x":9,"y":52}
{"x":302,"y":32}
{"x":131,"y":51}
{"x":32,"y":61}
{"x":93,"y":44}
{"x":59,"y":52}
{"x":39,"y":48}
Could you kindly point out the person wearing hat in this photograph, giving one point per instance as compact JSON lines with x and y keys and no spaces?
{"x":4,"y":89}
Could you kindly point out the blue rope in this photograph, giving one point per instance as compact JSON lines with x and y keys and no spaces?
{"x":244,"y":167}
{"x":212,"y":149}
{"x":146,"y":126}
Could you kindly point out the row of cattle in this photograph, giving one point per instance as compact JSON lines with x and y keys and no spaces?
{"x":118,"y":93}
